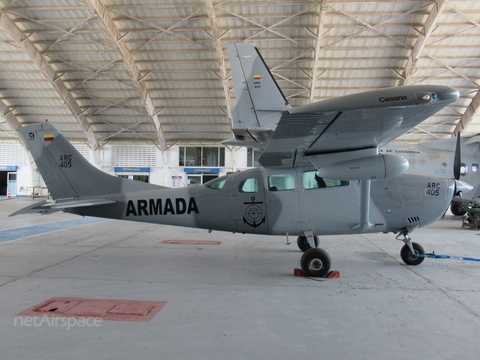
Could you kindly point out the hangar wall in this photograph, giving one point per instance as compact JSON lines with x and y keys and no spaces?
{"x":160,"y":168}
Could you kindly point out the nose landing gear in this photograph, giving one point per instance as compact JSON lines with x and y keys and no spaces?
{"x":410,"y":250}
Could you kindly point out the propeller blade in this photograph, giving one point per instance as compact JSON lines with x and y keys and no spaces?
{"x":457,"y":160}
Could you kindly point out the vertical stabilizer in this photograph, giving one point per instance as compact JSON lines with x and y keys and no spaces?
{"x":65,"y":171}
{"x":260,"y":102}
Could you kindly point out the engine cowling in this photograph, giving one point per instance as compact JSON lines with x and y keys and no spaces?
{"x":381,"y":166}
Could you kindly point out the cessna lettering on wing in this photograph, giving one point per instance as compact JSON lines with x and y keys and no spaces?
{"x":393,"y":98}
{"x":167,"y":206}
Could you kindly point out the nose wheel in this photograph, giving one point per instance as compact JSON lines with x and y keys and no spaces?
{"x":303,"y":244}
{"x":410,"y":250}
{"x":410,"y":258}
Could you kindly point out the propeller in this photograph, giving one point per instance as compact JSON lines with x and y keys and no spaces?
{"x":457,"y":159}
{"x":460,"y":186}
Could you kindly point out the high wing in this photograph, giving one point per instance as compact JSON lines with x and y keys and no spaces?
{"x":329,"y":132}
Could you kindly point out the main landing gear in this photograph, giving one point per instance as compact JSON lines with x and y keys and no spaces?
{"x":315,"y":262}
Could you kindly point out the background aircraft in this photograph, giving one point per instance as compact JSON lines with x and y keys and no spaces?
{"x":437,"y":157}
{"x":319,"y":160}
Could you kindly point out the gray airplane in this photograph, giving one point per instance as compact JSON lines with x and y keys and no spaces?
{"x":321,"y":174}
{"x":437,"y":157}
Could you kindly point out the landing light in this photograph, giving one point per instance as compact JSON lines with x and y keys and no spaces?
{"x":426,"y":97}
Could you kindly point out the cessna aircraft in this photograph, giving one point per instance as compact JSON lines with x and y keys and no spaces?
{"x":321,"y":174}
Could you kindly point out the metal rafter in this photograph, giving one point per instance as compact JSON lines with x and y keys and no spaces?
{"x":321,"y":19}
{"x":16,"y":34}
{"x":162,"y":30}
{"x":7,"y":114}
{"x":265,"y":28}
{"x":468,"y":114}
{"x":216,"y":36}
{"x":132,"y":68}
{"x":421,"y":42}
{"x":369,"y":26}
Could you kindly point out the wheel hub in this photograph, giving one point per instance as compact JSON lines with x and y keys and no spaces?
{"x":413,"y":256}
{"x":316,"y":264}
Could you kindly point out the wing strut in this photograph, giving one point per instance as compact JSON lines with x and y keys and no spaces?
{"x":365,"y":223}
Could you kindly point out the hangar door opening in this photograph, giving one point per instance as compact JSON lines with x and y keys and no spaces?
{"x":200,"y":176}
{"x":133,"y":173}
{"x":8,"y":181}
{"x":199,"y":179}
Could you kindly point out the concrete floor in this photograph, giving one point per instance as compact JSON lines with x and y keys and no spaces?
{"x":239,"y":299}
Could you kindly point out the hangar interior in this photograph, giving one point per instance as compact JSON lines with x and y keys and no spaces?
{"x":147,"y":84}
{"x":143,"y":89}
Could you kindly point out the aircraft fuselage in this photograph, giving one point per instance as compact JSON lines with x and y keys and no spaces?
{"x":275,"y":202}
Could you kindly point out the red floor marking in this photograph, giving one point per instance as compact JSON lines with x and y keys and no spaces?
{"x":106,"y":309}
{"x":191,"y":242}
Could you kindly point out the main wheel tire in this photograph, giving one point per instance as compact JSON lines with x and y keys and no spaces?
{"x":412,"y":259}
{"x":303,"y":244}
{"x":456,"y":209}
{"x":315,"y":262}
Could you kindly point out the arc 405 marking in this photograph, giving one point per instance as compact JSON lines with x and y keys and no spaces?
{"x":433,"y":189}
{"x":65,"y":161}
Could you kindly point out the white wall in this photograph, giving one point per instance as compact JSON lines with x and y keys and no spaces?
{"x":161,"y":173}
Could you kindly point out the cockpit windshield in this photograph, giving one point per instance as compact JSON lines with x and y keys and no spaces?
{"x":216,"y":184}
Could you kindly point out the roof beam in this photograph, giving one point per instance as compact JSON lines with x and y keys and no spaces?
{"x":468,"y":114}
{"x":263,"y":27}
{"x":49,"y":72}
{"x":322,"y":8}
{"x":417,"y":50}
{"x":7,"y":114}
{"x":221,"y":57}
{"x":133,"y":70}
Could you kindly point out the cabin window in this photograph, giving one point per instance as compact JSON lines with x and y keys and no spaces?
{"x":281,"y":182}
{"x":217,"y":183}
{"x":312,"y":181}
{"x":248,"y":186}
{"x":474,"y":167}
{"x":463,"y":169}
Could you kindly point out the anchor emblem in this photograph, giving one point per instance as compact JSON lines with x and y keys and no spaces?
{"x":253,"y":213}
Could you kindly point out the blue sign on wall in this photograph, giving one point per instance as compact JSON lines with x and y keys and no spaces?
{"x":202,"y":170}
{"x":132,"y":169}
{"x":8,"y":168}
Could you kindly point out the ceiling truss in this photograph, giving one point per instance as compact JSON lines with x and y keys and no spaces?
{"x":158,"y":72}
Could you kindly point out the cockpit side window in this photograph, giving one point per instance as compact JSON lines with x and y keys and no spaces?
{"x":281,"y":182}
{"x":216,"y":184}
{"x":248,"y":186}
{"x":312,"y":181}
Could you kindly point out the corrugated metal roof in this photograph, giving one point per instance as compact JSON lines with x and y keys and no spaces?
{"x":157,"y":71}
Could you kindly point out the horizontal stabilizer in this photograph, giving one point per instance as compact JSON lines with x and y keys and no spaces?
{"x":36,"y":208}
{"x":78,"y":203}
{"x":48,"y":206}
